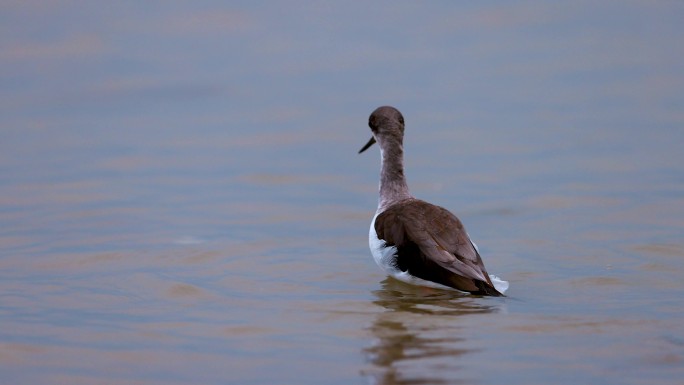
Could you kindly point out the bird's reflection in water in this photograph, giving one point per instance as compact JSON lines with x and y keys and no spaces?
{"x":418,"y":338}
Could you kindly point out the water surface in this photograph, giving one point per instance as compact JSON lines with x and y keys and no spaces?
{"x":181,"y":200}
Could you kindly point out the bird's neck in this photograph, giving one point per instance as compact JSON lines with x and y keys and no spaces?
{"x":393,"y":187}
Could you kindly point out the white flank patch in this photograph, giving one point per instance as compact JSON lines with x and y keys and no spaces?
{"x":500,"y":285}
{"x":382,"y":254}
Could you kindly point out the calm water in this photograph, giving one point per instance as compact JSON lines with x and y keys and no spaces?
{"x":181,"y":201}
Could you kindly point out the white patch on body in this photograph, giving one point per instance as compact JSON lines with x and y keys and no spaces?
{"x":382,"y":254}
{"x":499,"y":284}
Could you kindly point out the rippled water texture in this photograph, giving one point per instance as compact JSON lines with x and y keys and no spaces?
{"x":182,"y":202}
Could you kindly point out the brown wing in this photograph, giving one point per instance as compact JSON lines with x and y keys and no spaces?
{"x":432,"y":244}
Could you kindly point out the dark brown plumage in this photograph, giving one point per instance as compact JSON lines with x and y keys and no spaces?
{"x":433,"y":245}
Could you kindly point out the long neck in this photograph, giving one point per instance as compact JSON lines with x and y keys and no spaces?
{"x":393,"y":187}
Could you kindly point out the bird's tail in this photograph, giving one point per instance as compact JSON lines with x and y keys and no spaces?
{"x":496,"y":289}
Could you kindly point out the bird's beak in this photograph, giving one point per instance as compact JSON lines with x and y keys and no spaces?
{"x":370,"y":143}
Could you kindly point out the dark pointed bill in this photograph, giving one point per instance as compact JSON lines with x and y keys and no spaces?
{"x":370,"y":143}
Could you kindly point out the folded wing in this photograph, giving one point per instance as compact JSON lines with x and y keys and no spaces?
{"x":432,"y":244}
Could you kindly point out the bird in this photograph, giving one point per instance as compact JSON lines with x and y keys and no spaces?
{"x":415,"y":241}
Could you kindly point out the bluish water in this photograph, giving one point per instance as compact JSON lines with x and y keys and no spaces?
{"x":181,"y":200}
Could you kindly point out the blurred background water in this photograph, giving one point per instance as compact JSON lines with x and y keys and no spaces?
{"x":181,"y":200}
